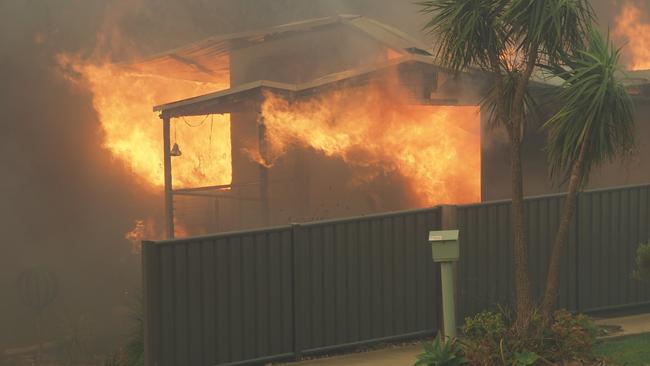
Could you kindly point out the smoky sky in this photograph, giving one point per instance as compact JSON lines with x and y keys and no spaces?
{"x":66,"y":203}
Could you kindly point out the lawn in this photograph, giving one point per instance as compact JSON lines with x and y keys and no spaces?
{"x":630,"y":351}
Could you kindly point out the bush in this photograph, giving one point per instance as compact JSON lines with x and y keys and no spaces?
{"x":488,"y":340}
{"x":642,"y":271}
{"x":570,"y":337}
{"x":485,"y":324}
{"x":441,"y":353}
{"x":485,"y":333}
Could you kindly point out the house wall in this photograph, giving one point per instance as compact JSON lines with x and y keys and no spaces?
{"x":495,"y":158}
{"x":302,"y":185}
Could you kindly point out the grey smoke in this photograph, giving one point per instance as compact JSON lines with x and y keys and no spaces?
{"x":65,"y":203}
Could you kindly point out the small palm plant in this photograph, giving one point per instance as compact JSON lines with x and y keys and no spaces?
{"x":441,"y":353}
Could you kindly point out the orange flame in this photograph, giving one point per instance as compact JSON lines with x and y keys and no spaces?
{"x":142,"y":230}
{"x":631,"y":26}
{"x":132,"y":133}
{"x":148,"y":230}
{"x":436,"y":148}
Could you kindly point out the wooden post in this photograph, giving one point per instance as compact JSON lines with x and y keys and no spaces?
{"x":167,"y":160}
{"x":264,"y":171}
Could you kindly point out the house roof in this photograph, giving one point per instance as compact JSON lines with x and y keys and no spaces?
{"x":238,"y":97}
{"x":208,"y":60}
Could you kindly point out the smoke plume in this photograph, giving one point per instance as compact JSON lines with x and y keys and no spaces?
{"x":66,"y":203}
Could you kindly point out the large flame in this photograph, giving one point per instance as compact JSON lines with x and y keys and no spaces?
{"x":437,"y":148}
{"x":631,"y":26}
{"x":132,"y":133}
{"x":377,"y":128}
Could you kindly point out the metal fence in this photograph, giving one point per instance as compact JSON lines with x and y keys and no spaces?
{"x":258,"y":296}
{"x":611,"y":225}
{"x":597,"y":267}
{"x":253,"y":297}
{"x":486,"y":268}
{"x":213,"y":300}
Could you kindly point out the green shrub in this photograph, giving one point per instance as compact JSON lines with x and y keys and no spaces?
{"x":488,"y":340}
{"x":485,"y":324}
{"x":485,"y":334}
{"x":441,"y":353}
{"x":525,"y":358}
{"x":570,"y":337}
{"x":642,"y":271}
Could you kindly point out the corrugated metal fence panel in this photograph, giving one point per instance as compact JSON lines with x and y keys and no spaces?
{"x":217,"y":300}
{"x":543,"y":215}
{"x":612,"y":224}
{"x":366,"y":279}
{"x":255,"y":296}
{"x":486,"y":266}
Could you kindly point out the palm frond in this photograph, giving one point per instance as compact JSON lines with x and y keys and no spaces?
{"x":498,"y":102}
{"x":596,"y":109}
{"x":470,"y":32}
{"x":553,"y":27}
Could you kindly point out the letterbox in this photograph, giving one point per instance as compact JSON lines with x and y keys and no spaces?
{"x":444,"y":245}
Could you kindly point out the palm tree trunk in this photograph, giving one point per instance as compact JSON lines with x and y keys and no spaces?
{"x":524,"y":302}
{"x":562,"y":236}
{"x":524,"y":298}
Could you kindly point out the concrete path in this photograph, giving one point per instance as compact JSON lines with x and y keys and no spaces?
{"x":401,"y":356}
{"x":405,"y":356}
{"x":633,"y":324}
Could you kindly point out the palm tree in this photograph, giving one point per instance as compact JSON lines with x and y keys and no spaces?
{"x":508,"y":39}
{"x":594,"y":123}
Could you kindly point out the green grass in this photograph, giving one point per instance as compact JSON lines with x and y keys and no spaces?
{"x":629,"y":351}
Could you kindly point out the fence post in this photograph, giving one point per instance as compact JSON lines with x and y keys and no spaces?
{"x":449,"y":221}
{"x":296,"y":287}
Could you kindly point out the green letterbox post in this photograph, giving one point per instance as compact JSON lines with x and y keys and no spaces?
{"x":445,"y":250}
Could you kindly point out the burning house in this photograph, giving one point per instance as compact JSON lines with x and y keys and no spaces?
{"x":334,"y":117}
{"x":328,"y":118}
